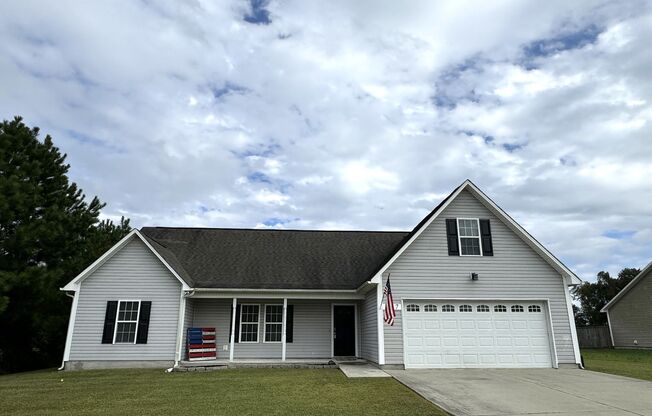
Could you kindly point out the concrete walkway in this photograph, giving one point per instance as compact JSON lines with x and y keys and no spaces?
{"x":563,"y":392}
{"x":362,"y":370}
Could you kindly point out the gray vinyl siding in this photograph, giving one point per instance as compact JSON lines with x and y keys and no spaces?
{"x":312,"y":328}
{"x":369,"y":327}
{"x":425,"y":270}
{"x":631,"y":316}
{"x":133,"y":273}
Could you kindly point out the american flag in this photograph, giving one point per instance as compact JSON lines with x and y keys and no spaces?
{"x":390,"y":313}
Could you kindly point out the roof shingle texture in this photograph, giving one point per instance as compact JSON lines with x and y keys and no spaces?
{"x":273,"y":259}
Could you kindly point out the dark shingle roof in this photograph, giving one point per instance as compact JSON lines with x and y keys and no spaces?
{"x":273,"y":259}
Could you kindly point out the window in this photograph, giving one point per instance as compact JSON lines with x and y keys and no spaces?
{"x":448,"y":308}
{"x":273,"y":323}
{"x":517,"y":308}
{"x":412,"y":308}
{"x":469,"y":235}
{"x":430,"y":308}
{"x":466,"y":308}
{"x":249,"y":317}
{"x":483,"y":308}
{"x":500,"y":308}
{"x":127,"y":323}
{"x":534,"y":308}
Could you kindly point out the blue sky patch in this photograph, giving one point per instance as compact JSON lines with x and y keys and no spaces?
{"x":512,"y":147}
{"x":271,"y":222}
{"x":259,"y":177}
{"x":259,"y":15}
{"x":451,"y":86}
{"x":226,"y":89}
{"x":618,"y":234}
{"x":571,"y":40}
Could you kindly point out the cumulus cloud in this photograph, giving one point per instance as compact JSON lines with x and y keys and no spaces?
{"x":352,"y":115}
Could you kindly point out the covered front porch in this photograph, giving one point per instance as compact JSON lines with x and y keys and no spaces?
{"x":267,"y":328}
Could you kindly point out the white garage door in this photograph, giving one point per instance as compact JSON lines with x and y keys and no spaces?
{"x":458,"y":334}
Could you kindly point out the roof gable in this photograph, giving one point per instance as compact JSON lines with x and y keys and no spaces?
{"x":499,"y":213}
{"x":73,"y":285}
{"x":639,"y":277}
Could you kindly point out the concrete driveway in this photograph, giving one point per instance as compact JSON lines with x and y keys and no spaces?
{"x":526,"y":392}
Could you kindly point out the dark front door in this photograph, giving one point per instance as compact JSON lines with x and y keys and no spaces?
{"x":344,"y":330}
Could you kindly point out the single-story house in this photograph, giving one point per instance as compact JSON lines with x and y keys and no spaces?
{"x":629,"y":313}
{"x":471,"y":288}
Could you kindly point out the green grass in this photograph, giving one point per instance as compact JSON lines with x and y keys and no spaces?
{"x":630,"y":363}
{"x":229,"y":392}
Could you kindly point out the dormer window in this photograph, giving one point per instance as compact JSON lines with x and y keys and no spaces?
{"x":469,"y":235}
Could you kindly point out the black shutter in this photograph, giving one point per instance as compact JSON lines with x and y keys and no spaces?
{"x":289,"y":323}
{"x":485,"y":235}
{"x":143,"y":322}
{"x":237,"y":323}
{"x":109,"y":321}
{"x":451,"y":236}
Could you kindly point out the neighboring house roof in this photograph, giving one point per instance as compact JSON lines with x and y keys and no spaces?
{"x":627,"y":288}
{"x":273,"y":259}
{"x":498,"y":212}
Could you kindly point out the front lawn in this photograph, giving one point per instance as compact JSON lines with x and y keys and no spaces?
{"x":229,"y":392}
{"x":630,"y":363}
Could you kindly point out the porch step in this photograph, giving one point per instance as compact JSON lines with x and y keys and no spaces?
{"x":350,"y":361}
{"x":186,"y":366}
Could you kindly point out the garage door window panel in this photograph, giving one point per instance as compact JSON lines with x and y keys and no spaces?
{"x":412,"y":307}
{"x":430,"y":308}
{"x":517,"y":308}
{"x":448,"y":308}
{"x":500,"y":308}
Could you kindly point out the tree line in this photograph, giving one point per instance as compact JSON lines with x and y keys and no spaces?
{"x":593,"y":296}
{"x":49,"y":232}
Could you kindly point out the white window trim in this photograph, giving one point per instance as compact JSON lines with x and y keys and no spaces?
{"x":257,"y":325}
{"x":117,"y":313}
{"x":459,"y":237}
{"x":275,"y":323}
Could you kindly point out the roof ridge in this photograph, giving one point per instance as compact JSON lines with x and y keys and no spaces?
{"x":274,"y":229}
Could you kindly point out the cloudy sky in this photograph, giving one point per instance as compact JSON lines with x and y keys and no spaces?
{"x":348,"y":115}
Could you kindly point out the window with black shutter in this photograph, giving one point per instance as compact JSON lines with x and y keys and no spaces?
{"x":126,"y":322}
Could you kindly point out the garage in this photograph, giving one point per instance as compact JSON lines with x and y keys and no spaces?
{"x":476,"y":334}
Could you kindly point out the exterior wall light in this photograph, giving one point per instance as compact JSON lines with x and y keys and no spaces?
{"x":474,"y":276}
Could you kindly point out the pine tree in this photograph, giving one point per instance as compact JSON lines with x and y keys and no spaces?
{"x":48,"y":234}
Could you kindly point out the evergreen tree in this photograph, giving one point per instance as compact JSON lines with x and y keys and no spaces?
{"x":48,"y":234}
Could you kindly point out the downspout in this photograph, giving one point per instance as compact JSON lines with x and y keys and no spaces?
{"x":71,"y":324}
{"x":182,"y":317}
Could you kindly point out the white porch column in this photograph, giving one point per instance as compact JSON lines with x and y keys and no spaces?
{"x":232,"y":342}
{"x":380,"y":327}
{"x":285,"y":315}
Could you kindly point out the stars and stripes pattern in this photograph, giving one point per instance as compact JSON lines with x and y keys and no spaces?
{"x":390,"y":313}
